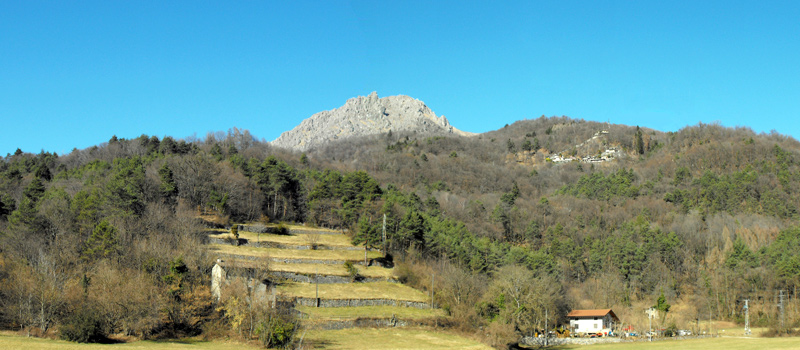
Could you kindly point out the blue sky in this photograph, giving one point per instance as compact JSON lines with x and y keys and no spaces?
{"x":72,"y":74}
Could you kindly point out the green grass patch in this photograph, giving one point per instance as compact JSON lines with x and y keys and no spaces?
{"x":338,"y":313}
{"x":390,"y":338}
{"x":374,"y":290}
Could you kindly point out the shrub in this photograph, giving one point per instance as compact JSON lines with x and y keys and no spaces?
{"x":281,"y":229}
{"x":352,"y":271}
{"x":84,"y":326}
{"x":278,"y":330}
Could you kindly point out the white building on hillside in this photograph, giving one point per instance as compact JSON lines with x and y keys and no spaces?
{"x":592,"y":321}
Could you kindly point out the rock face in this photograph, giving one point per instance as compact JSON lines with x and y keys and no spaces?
{"x":361,"y":116}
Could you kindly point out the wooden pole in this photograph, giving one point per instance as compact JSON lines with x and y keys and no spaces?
{"x":432,"y":280}
{"x":384,"y":234}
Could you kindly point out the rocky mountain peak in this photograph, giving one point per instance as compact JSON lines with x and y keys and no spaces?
{"x":366,"y":115}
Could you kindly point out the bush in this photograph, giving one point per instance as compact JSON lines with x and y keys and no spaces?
{"x":235,"y":231}
{"x":278,"y":330}
{"x":85,"y":326}
{"x":281,"y":229}
{"x":773,"y":332}
{"x":671,"y":331}
{"x":352,"y":271}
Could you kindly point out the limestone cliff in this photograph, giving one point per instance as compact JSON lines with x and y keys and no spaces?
{"x":366,"y":115}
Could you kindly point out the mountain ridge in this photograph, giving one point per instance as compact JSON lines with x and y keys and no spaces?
{"x":366,"y":115}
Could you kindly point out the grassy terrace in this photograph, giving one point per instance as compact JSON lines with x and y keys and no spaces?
{"x":338,"y":313}
{"x":310,"y":269}
{"x":332,"y":270}
{"x":375,"y":290}
{"x":292,"y":253}
{"x":299,"y":239}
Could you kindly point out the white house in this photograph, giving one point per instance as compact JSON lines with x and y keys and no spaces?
{"x":592,"y":321}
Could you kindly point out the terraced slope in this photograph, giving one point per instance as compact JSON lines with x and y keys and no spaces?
{"x":308,"y":264}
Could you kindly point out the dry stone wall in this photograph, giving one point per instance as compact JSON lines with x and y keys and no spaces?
{"x":360,"y":302}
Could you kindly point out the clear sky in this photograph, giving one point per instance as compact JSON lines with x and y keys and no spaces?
{"x":74,"y":73}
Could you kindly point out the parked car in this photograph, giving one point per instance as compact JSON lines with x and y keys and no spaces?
{"x":684,"y":332}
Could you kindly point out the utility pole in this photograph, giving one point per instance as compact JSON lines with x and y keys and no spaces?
{"x":384,"y":234}
{"x":432,"y":280}
{"x":546,"y":331}
{"x":780,"y":305}
{"x":746,"y":317}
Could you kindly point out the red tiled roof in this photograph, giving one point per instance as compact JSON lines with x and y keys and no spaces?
{"x":592,"y":313}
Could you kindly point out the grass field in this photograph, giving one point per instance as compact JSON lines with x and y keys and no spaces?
{"x":335,"y":313}
{"x":389,"y":338}
{"x":17,"y":342}
{"x":720,"y":343}
{"x":293,"y":253}
{"x":396,"y":338}
{"x":374,"y":290}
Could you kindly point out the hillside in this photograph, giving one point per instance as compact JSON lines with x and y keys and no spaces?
{"x":366,"y":115}
{"x":541,"y":211}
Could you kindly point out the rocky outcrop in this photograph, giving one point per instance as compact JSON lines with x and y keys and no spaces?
{"x":366,"y":115}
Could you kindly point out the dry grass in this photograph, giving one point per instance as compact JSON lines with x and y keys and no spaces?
{"x":300,"y":239}
{"x":331,"y":270}
{"x":392,"y":338}
{"x":355,"y":255}
{"x":25,"y":343}
{"x":301,"y":227}
{"x":312,"y":269}
{"x":374,"y":290}
{"x":336,"y":313}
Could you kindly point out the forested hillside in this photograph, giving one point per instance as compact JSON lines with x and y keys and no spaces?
{"x":706,"y":217}
{"x":706,"y":214}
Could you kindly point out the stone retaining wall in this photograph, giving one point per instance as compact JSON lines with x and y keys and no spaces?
{"x":290,"y":260}
{"x":291,"y":230}
{"x":324,"y":279}
{"x":360,"y":302}
{"x":358,"y":323}
{"x":268,"y":244}
{"x":531,"y":341}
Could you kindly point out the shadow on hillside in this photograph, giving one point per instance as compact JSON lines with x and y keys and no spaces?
{"x":319,"y":344}
{"x":551,"y":347}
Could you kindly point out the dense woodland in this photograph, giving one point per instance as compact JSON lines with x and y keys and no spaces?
{"x":702,"y":218}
